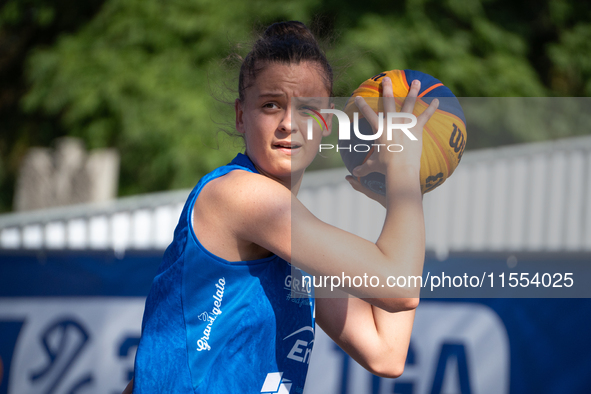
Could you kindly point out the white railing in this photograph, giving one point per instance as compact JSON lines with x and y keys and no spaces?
{"x":139,"y":222}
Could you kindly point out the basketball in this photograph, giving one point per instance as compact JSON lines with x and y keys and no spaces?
{"x":444,"y":136}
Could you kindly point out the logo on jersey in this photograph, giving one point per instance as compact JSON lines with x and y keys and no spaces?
{"x":202,"y":343}
{"x":297,"y":285}
{"x":275,"y":385}
{"x":300,"y":351}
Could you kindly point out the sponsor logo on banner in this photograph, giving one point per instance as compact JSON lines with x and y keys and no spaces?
{"x":454,"y":348}
{"x":68,"y":345}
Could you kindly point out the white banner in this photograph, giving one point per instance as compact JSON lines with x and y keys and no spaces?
{"x":87,"y":345}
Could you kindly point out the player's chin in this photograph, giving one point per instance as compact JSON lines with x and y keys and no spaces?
{"x":301,"y":161}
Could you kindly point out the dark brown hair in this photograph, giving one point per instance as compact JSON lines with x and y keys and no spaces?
{"x":288,"y":43}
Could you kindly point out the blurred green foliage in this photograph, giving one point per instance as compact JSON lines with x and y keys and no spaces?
{"x":148,"y":76}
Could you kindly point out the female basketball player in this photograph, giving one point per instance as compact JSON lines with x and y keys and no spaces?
{"x":220,"y":317}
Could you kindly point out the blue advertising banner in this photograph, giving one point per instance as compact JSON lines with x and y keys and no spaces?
{"x":70,"y":323}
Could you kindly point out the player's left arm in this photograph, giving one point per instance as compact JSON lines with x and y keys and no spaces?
{"x":376,"y":339}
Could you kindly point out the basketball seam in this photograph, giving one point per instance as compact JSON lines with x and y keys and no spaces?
{"x":440,"y":150}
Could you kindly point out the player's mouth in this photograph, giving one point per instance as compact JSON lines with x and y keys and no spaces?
{"x":287,"y":147}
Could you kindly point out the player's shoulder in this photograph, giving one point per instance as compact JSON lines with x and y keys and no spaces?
{"x":244,"y":190}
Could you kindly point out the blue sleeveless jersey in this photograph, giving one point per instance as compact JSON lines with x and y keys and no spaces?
{"x":214,"y":326}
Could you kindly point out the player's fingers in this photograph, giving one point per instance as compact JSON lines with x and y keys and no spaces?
{"x":388,"y":95}
{"x":355,"y":183}
{"x":369,"y":166}
{"x":367,"y":112}
{"x":358,"y":186}
{"x":362,"y":189}
{"x":423,"y":118}
{"x":411,"y":97}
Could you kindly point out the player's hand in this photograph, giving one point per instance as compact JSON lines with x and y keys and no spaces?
{"x":368,"y":192}
{"x":411,"y":154}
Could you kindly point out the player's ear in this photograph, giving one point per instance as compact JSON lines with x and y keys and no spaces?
{"x":328,"y":119}
{"x":239,"y":113}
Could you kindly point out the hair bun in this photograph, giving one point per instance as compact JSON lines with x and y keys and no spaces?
{"x":286,"y":43}
{"x":292,"y":28}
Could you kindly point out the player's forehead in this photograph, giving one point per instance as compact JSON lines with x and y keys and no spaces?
{"x":277,"y":80}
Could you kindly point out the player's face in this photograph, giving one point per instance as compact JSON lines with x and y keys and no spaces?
{"x":276,"y":134}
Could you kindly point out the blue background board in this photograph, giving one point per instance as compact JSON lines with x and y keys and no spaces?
{"x":73,"y":273}
{"x":549,"y":341}
{"x":550,"y":345}
{"x":9,"y":331}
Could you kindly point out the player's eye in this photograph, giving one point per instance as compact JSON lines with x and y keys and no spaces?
{"x":270,"y":105}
